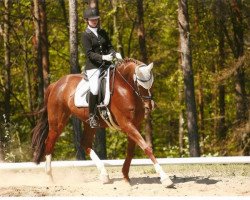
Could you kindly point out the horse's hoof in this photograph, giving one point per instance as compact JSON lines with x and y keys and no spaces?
{"x":167,"y":183}
{"x":105,"y":178}
{"x":126,"y":179}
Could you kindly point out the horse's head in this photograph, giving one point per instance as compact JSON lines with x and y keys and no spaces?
{"x":144,"y":79}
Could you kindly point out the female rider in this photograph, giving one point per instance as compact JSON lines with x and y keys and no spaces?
{"x":99,"y":53}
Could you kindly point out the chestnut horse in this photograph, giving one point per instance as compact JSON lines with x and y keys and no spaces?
{"x":130,"y":98}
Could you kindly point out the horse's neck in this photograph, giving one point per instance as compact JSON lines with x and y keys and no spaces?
{"x":127,"y":70}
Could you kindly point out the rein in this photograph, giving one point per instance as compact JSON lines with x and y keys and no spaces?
{"x":137,"y":90}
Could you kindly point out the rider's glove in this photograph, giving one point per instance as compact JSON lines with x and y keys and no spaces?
{"x":108,"y":57}
{"x":118,"y":56}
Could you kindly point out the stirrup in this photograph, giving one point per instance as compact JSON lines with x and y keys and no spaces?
{"x":93,"y":121}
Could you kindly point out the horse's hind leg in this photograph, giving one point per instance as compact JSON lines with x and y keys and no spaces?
{"x":87,"y":145}
{"x":56,"y":125}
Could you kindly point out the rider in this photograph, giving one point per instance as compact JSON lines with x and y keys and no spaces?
{"x":99,"y":53}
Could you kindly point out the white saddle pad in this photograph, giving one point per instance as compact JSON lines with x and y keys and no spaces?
{"x":82,"y":90}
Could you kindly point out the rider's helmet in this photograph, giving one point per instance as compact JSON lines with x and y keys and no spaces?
{"x":91,"y":13}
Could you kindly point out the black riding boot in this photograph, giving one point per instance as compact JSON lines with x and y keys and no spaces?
{"x":92,"y":111}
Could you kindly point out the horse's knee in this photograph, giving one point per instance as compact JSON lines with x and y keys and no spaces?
{"x":148,"y":150}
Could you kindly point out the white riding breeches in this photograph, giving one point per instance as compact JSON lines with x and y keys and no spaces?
{"x":93,"y":75}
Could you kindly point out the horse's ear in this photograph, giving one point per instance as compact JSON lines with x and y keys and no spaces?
{"x":150,"y":66}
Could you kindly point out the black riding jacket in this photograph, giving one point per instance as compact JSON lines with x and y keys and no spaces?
{"x":95,"y":47}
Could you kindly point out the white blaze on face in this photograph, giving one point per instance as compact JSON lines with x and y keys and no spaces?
{"x":143,"y":74}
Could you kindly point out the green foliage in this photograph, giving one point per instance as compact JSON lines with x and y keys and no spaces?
{"x":162,"y":40}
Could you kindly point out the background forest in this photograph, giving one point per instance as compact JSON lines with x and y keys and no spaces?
{"x":220,"y":47}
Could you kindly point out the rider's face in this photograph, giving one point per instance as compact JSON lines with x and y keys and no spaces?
{"x":93,"y":22}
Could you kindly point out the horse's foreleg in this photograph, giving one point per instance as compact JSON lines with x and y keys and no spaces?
{"x":127,"y":162}
{"x":87,"y":144}
{"x":134,"y":134}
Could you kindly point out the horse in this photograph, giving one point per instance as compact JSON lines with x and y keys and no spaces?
{"x":130,"y":99}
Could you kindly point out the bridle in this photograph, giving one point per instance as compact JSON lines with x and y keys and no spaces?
{"x":137,"y":81}
{"x":145,"y":99}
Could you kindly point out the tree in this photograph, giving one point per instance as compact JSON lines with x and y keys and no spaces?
{"x":40,"y":42}
{"x":44,"y":44}
{"x":238,"y":50}
{"x":74,"y":68}
{"x":144,"y":57}
{"x":7,"y":77}
{"x":7,"y":63}
{"x":220,"y":23}
{"x":38,"y":50}
{"x":199,"y":72}
{"x":117,"y":33}
{"x":186,"y":63}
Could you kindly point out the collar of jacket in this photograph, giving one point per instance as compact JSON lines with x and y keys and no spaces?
{"x":89,"y":31}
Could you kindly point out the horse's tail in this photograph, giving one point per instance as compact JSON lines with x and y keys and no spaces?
{"x":41,"y":130}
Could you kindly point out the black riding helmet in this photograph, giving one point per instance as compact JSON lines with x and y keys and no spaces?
{"x":91,"y":13}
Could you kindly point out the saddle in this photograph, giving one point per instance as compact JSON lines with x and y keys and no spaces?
{"x":82,"y":95}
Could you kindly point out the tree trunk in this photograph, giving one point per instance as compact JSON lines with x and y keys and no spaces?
{"x":237,"y":22}
{"x":74,"y":68}
{"x":144,"y":57}
{"x":100,"y":143}
{"x":78,"y":137}
{"x":73,"y":21}
{"x":141,"y":31}
{"x":7,"y":64}
{"x":200,"y":92}
{"x":117,"y":35}
{"x":220,"y":23}
{"x":65,"y":17}
{"x":183,"y":20}
{"x":44,"y":44}
{"x":38,"y":51}
{"x":181,"y":116}
{"x":27,"y":78}
{"x":7,"y":79}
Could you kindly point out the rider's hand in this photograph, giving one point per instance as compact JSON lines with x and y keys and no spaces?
{"x":108,"y":57}
{"x":118,"y":56}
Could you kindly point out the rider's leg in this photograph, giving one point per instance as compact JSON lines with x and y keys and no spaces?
{"x":93,"y":76}
{"x":92,"y":110}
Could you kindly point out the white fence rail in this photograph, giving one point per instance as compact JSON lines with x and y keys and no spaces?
{"x":162,"y":161}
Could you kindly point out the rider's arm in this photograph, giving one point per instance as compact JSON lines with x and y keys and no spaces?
{"x":108,"y":44}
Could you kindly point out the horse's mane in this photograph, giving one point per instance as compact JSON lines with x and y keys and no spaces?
{"x":128,"y":60}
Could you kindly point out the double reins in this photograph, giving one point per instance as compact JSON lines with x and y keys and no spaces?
{"x":136,"y":89}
